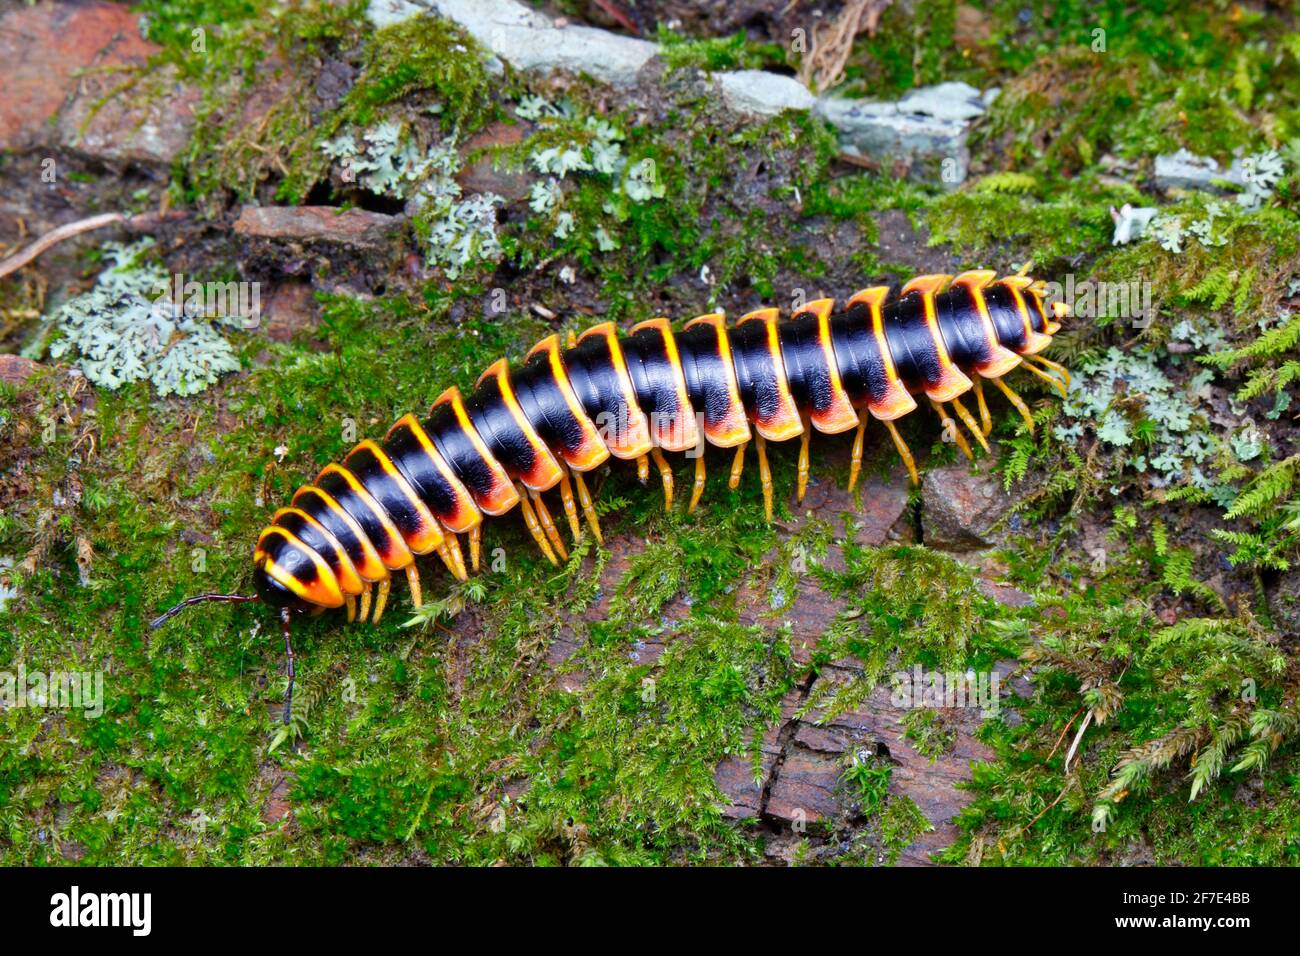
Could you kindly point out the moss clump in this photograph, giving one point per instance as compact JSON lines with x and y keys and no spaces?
{"x":427,"y":55}
{"x":735,"y":52}
{"x":242,"y":140}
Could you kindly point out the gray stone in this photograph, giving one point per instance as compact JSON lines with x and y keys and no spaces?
{"x":961,"y":508}
{"x":923,"y":135}
{"x":945,"y":101}
{"x":1186,"y":170}
{"x":529,"y":40}
{"x":758,"y":93}
{"x":385,"y":13}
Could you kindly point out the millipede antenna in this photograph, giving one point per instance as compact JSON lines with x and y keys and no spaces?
{"x":199,"y":599}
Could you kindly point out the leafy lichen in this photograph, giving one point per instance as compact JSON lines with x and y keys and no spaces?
{"x":126,"y":330}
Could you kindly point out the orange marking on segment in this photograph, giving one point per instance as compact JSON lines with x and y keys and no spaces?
{"x":372,"y":567}
{"x":684,"y":433}
{"x":503,"y":495}
{"x":349,"y":580}
{"x":633,"y":434}
{"x":952,"y":381}
{"x":592,"y":452}
{"x":897,"y":401}
{"x":840,"y":416}
{"x":466,"y":514}
{"x":1034,"y":341}
{"x":430,"y":536}
{"x":324,"y":591}
{"x":1003,"y":359}
{"x":734,"y":428}
{"x":786,"y":423}
{"x":1059,"y":310}
{"x":545,"y":473}
{"x":395,"y":554}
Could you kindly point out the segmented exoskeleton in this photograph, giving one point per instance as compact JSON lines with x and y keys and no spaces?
{"x":565,"y":411}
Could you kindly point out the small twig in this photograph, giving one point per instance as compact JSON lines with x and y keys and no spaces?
{"x":55,"y":236}
{"x":1042,"y":812}
{"x":861,"y":162}
{"x":622,"y":19}
{"x":1064,"y":731}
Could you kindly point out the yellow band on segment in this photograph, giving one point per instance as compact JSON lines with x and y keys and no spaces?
{"x":785,"y":423}
{"x":398,"y":554}
{"x":1034,"y":341}
{"x":1003,"y":359}
{"x":952,"y":381}
{"x":429,"y":536}
{"x":897,"y":401}
{"x":323,"y":591}
{"x":545,"y":474}
{"x":839,"y":416}
{"x":592,"y":452}
{"x":372,"y":565}
{"x":632,"y":437}
{"x":502,"y":496}
{"x":734,"y":428}
{"x":465,"y":514}
{"x":349,"y":580}
{"x":684,"y":432}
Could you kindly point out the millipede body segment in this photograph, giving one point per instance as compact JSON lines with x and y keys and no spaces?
{"x":567,"y":409}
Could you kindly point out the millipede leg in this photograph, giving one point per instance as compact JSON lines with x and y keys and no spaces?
{"x":765,"y":474}
{"x":698,"y":488}
{"x":855,"y":466}
{"x":444,"y":552}
{"x":1054,"y":367}
{"x":737,"y":466}
{"x":570,"y":505}
{"x":381,"y":599}
{"x":548,"y":525}
{"x":950,"y":428}
{"x":475,"y":545}
{"x":457,"y":557}
{"x":804,"y":440}
{"x":534,"y":527}
{"x":413,"y":579}
{"x":1052,"y":380}
{"x":1017,"y":401}
{"x":351,"y":604}
{"x":588,"y":508}
{"x":986,"y":420}
{"x":642,"y":469}
{"x":365,"y":602}
{"x":966,"y":417}
{"x":903,"y":452}
{"x":666,"y":474}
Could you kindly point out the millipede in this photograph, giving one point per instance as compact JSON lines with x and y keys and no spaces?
{"x":566,"y":410}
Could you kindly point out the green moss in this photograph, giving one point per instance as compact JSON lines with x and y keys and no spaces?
{"x":429,"y":55}
{"x":735,"y":52}
{"x":702,"y":221}
{"x":241,"y":140}
{"x":577,"y":715}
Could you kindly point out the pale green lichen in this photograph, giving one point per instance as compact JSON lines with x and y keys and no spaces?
{"x":1129,"y":403}
{"x":388,"y":162}
{"x":126,"y":330}
{"x":569,"y":146}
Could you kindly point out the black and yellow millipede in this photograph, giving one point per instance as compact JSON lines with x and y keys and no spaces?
{"x":566,"y":410}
